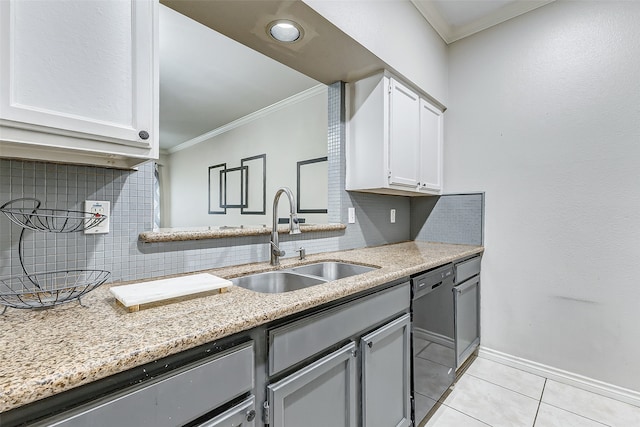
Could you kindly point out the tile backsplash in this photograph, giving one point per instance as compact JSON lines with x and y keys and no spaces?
{"x":451,"y":218}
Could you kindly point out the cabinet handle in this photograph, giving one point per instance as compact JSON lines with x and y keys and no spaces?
{"x":251,"y":415}
{"x":143,"y":134}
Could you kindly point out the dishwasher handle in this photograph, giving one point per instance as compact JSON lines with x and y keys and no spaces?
{"x":423,"y":288}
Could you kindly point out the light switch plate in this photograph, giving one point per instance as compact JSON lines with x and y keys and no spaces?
{"x":102,"y":208}
{"x":393,"y":216}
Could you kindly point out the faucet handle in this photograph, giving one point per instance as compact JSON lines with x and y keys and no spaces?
{"x":302,"y":252}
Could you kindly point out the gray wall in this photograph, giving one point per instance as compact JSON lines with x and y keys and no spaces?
{"x":130,"y":192}
{"x":545,"y":117}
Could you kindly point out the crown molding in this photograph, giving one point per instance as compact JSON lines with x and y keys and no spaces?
{"x":299,"y":97}
{"x":450,"y":33}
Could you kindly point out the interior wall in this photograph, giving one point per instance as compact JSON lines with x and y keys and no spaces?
{"x":545,"y":118}
{"x":396,"y":32}
{"x":293,"y":133}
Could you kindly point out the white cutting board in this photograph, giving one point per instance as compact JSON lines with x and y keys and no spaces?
{"x":158,"y":290}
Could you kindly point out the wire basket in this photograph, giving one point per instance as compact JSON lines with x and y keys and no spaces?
{"x":41,"y":290}
{"x":50,"y":220}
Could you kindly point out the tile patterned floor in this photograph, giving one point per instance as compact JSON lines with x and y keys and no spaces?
{"x":496,"y":395}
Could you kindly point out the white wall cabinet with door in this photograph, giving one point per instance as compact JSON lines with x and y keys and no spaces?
{"x":79,"y":81}
{"x":395,"y":139}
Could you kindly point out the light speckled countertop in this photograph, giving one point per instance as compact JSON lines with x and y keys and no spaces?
{"x":49,"y":351}
{"x":200,"y":233}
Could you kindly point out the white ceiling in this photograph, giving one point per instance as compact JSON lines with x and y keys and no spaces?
{"x":456,"y":19}
{"x":208,"y":80}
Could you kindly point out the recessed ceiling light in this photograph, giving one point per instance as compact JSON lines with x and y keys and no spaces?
{"x":285,"y":31}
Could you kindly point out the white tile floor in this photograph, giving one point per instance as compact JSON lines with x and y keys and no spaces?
{"x":492,"y":394}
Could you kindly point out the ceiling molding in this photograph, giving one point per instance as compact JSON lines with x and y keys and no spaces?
{"x":433,"y":16}
{"x":450,"y":33}
{"x":299,"y":97}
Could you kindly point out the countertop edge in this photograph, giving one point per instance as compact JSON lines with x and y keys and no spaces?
{"x":222,"y":233}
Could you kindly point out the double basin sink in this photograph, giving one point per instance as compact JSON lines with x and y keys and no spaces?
{"x":293,"y":279}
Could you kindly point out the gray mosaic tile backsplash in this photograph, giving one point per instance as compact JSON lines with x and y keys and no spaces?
{"x":453,"y":218}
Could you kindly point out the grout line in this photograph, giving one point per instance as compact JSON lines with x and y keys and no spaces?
{"x":539,"y":403}
{"x":506,"y":388}
{"x":579,"y":415}
{"x":467,"y":415}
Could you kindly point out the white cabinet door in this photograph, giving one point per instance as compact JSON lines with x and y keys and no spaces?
{"x":79,"y":76}
{"x":404,"y":135}
{"x":386,"y":375}
{"x":430,"y":147}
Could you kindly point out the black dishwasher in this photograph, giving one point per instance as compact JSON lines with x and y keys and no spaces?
{"x":433,"y":333}
{"x":445,"y":328}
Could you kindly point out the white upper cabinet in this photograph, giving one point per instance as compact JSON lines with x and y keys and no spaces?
{"x":79,"y":81}
{"x":430,"y":148}
{"x":395,"y":139}
{"x":404,"y":135}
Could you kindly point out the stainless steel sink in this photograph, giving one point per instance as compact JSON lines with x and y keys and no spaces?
{"x":332,"y":270}
{"x":274,"y":282}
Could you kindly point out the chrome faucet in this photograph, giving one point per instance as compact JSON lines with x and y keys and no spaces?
{"x":294,"y":227}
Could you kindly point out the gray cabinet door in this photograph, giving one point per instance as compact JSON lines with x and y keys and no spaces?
{"x":319,"y":395}
{"x":241,"y":415}
{"x":467,"y":321}
{"x":386,"y":375}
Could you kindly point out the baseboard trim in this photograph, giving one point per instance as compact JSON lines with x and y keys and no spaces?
{"x":579,"y":381}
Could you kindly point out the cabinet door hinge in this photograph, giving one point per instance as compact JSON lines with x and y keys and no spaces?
{"x":265,"y":412}
{"x":389,"y":173}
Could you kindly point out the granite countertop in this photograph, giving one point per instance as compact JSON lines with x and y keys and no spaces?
{"x":49,"y":351}
{"x":221,"y":232}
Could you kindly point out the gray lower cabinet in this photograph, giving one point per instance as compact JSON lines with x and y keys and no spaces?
{"x":297,"y":341}
{"x":386,"y":375}
{"x":467,"y":319}
{"x":173,"y":399}
{"x":365,"y":383}
{"x":466,"y":301}
{"x":319,"y":395}
{"x":242,"y":415}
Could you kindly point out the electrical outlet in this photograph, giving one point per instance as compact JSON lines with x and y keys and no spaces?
{"x":101,"y":208}
{"x":393,"y":216}
{"x":352,"y":215}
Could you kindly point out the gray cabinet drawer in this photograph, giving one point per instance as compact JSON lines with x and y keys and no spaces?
{"x":173,"y":399}
{"x":467,"y":269}
{"x":293,"y":343}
